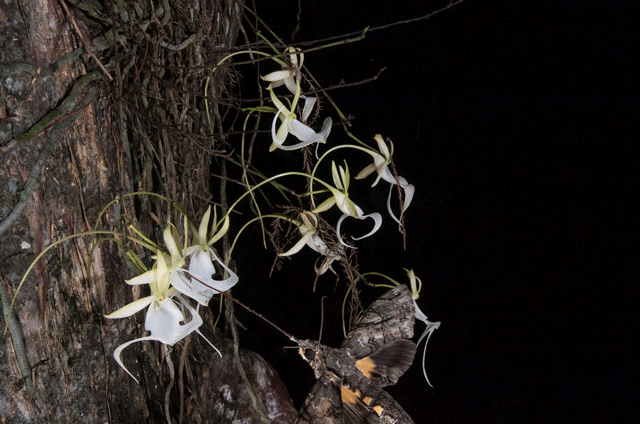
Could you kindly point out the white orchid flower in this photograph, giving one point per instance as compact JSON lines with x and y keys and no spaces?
{"x":165,"y":318}
{"x":380,"y":165}
{"x":340,"y":198}
{"x":416,"y":287}
{"x":291,"y":125}
{"x":201,"y":285}
{"x":288,"y":76}
{"x":308,"y":228}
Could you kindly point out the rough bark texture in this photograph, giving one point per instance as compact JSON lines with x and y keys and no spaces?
{"x":70,"y":373}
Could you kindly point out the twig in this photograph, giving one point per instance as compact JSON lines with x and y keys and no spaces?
{"x":83,"y":38}
{"x":167,"y":393}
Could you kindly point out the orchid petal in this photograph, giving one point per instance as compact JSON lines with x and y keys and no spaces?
{"x":305,"y":133}
{"x":298,"y":246}
{"x":325,"y":206}
{"x":190,"y":288}
{"x":164,"y":322}
{"x":144,"y":278}
{"x":431,"y":327}
{"x":202,"y":286}
{"x":210,"y":344}
{"x":118,"y":351}
{"x":336,"y":177}
{"x":276,"y":76}
{"x":382,"y":146}
{"x":317,"y":244}
{"x":309,"y":102}
{"x":220,"y":232}
{"x":170,"y":236}
{"x":162,"y":281}
{"x":368,"y":170}
{"x":131,"y":308}
{"x":409,"y":190}
{"x":204,"y":226}
{"x":377,"y":218}
{"x":279,"y":136}
{"x":291,"y":85}
{"x":347,"y":206}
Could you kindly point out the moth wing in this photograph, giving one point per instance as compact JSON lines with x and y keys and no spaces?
{"x":387,"y":410}
{"x":356,"y":411}
{"x":389,"y":318}
{"x":323,"y":405}
{"x":385,"y":366}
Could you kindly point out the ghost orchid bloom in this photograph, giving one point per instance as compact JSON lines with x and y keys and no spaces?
{"x":308,"y":227}
{"x":340,"y":198}
{"x":381,"y":162}
{"x":202,"y":259}
{"x":416,"y":286}
{"x":288,"y":76}
{"x":291,"y":125}
{"x":165,"y":318}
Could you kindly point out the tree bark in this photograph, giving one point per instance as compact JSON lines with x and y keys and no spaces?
{"x":57,"y":359}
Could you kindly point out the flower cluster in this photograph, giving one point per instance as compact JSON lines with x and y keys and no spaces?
{"x":179,"y":273}
{"x":290,"y":76}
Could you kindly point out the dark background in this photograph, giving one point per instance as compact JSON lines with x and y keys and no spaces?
{"x":517,"y":121}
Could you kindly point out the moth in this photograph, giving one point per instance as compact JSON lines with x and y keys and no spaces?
{"x":375,"y":354}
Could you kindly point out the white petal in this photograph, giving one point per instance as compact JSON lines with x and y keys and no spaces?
{"x":119,"y":349}
{"x":278,"y":137}
{"x":409,"y":190}
{"x":210,"y":344}
{"x":298,"y":246}
{"x":382,"y":146}
{"x":338,"y":225}
{"x":347,"y":206}
{"x":291,"y":85}
{"x":317,"y":244}
{"x":309,"y":102}
{"x":386,"y":175}
{"x":276,"y":76}
{"x":144,"y":278}
{"x":377,"y":218}
{"x":164,"y":322}
{"x":131,"y":308}
{"x":221,"y":231}
{"x":431,"y":327}
{"x":203,"y":286}
{"x":326,"y":128}
{"x":304,"y":132}
{"x":204,"y":226}
{"x":170,"y":236}
{"x":191,"y":288}
{"x":368,"y":170}
{"x":326,"y":205}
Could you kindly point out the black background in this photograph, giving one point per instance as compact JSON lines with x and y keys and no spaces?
{"x":517,"y":121}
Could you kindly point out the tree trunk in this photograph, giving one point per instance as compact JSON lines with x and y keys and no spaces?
{"x":57,"y":356}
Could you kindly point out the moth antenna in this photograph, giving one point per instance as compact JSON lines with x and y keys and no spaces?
{"x":256,"y":313}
